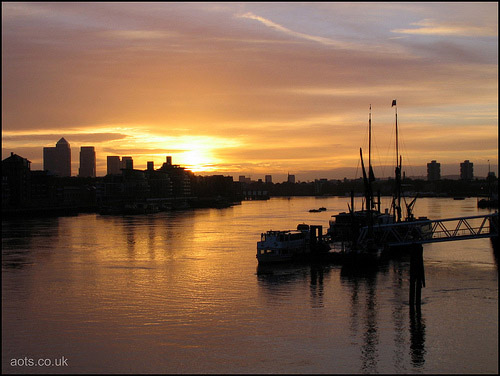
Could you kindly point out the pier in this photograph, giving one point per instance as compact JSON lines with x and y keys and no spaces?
{"x":433,"y":231}
{"x":411,"y":235}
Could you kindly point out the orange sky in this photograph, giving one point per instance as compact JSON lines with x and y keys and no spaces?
{"x":253,"y":88}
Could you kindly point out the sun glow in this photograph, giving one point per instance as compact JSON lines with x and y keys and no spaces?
{"x":197,"y":160}
{"x":195,"y":152}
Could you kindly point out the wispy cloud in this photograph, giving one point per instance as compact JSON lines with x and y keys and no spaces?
{"x":285,"y":30}
{"x":433,"y":27}
{"x":138,"y":34}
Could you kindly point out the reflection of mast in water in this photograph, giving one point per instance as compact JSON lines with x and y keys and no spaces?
{"x":369,"y":356}
{"x":369,"y":348}
{"x":397,"y":316}
{"x":417,"y":338}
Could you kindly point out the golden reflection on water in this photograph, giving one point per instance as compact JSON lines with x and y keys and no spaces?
{"x":181,"y":292}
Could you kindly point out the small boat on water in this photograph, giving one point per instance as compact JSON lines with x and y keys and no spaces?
{"x":317,"y":210}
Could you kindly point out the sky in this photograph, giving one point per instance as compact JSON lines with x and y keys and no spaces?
{"x":254,"y":88}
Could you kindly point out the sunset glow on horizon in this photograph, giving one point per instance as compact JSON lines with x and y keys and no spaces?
{"x":252,"y":88}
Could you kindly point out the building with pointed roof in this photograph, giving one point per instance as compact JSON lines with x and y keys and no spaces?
{"x":57,"y":160}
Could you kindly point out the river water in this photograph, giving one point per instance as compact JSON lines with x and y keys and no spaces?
{"x":179,"y":292}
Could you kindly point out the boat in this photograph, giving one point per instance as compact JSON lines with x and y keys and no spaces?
{"x":345,"y":226}
{"x":317,"y":210}
{"x":291,"y":245}
{"x":370,"y":222}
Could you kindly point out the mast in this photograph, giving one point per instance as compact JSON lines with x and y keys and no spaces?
{"x":370,"y":139}
{"x":368,"y":196}
{"x":397,"y":203}
{"x":371,"y":175}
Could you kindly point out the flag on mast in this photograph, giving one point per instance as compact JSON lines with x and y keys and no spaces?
{"x":393,"y":103}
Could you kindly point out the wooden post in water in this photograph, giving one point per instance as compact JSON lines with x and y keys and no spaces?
{"x":417,"y":276}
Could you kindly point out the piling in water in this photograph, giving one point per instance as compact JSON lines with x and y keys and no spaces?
{"x":417,"y":275}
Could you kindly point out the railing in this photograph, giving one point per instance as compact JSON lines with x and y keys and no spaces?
{"x":432,"y":231}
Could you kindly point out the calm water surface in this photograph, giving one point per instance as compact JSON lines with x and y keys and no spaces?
{"x":179,"y":293}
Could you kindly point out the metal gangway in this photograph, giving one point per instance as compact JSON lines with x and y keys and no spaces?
{"x":431,"y":231}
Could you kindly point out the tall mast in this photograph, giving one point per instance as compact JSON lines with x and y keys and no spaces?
{"x":397,"y":142}
{"x":370,"y":138}
{"x":397,"y":204}
{"x":371,"y":175}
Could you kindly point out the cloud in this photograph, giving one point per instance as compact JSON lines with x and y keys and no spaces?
{"x":297,"y":78}
{"x":284,"y":30}
{"x":433,"y":27}
{"x":54,"y":137}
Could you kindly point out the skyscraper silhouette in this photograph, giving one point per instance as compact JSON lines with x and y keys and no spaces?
{"x":57,"y":160}
{"x":87,"y":162}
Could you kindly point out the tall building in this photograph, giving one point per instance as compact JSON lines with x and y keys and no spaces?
{"x":127,"y":163}
{"x":57,"y":160}
{"x":113,"y":165}
{"x":268,"y":179}
{"x":433,"y":171}
{"x":291,"y":179}
{"x":87,"y":162}
{"x":466,"y":170}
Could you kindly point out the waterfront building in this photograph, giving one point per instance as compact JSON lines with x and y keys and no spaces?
{"x":291,"y":179}
{"x":113,"y":165}
{"x":179,"y":176}
{"x":433,"y":171}
{"x":151,"y":165}
{"x":16,"y":173}
{"x":268,"y":179}
{"x":87,"y":162}
{"x":160,"y":185}
{"x":57,"y":160}
{"x":466,"y":170}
